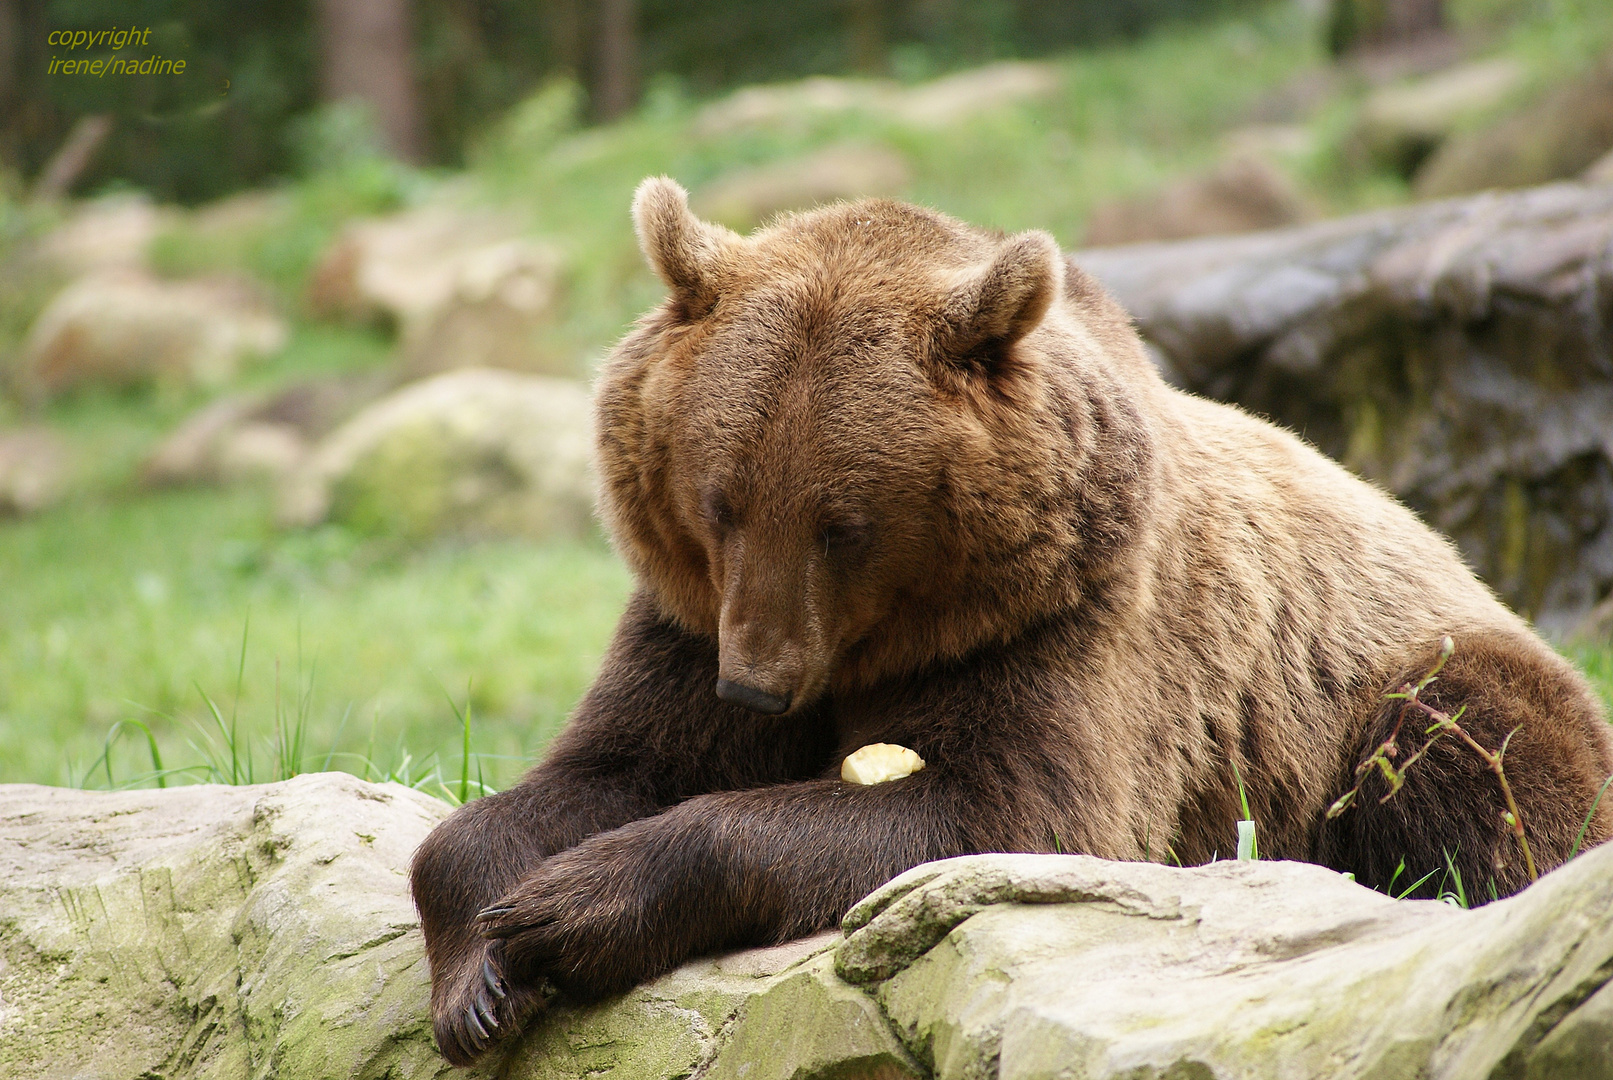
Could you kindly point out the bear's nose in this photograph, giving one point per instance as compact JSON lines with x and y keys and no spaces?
{"x":756,"y":700}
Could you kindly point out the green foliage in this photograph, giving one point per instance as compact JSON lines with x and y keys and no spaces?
{"x":231,"y":119}
{"x":1595,"y":659}
{"x":124,"y":609}
{"x":218,"y":126}
{"x":1590,"y":816}
{"x":715,"y":44}
{"x":224,"y":751}
{"x":1124,"y":119}
{"x":1248,"y":840}
{"x":93,"y":633}
{"x":1451,"y":888}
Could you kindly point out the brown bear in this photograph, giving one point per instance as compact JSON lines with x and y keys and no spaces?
{"x":884,"y":477}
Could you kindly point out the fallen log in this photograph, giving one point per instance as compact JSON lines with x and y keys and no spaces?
{"x":1459,"y":352}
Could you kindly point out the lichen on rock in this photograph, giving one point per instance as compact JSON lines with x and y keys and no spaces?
{"x":267,"y":932}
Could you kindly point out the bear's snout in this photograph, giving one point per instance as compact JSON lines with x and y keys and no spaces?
{"x":769,"y":648}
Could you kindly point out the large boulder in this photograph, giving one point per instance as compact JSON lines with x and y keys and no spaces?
{"x":1556,"y":137}
{"x":33,"y":469}
{"x":1597,"y":626}
{"x":746,"y":197}
{"x":252,"y":435}
{"x":114,"y":233}
{"x":963,"y":95}
{"x":1241,"y":194}
{"x":1601,"y":171}
{"x":1455,"y":352}
{"x":477,"y":452}
{"x":463,"y":287}
{"x":267,"y":931}
{"x":1401,"y":124}
{"x":1025,"y":967}
{"x":208,"y":931}
{"x":126,"y":327}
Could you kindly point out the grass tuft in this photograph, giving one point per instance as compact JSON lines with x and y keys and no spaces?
{"x":1248,"y":843}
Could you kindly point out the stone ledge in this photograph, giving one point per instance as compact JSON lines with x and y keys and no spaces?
{"x":266,"y":931}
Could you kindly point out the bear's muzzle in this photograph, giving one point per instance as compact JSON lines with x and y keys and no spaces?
{"x":751,"y":698}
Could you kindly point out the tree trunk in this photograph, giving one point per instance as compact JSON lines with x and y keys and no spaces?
{"x":366,"y":55}
{"x":1460,"y":353}
{"x":616,"y":59}
{"x":564,"y":20}
{"x":865,"y":35}
{"x":10,"y":84}
{"x":76,"y":155}
{"x":1364,"y":24}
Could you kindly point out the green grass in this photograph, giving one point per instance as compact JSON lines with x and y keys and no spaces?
{"x":1596,"y":661}
{"x":1125,"y":119}
{"x":124,"y":606}
{"x":134,"y":608}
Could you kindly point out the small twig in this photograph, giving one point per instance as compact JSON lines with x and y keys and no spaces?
{"x":1514,"y":816}
{"x":1410,"y":697}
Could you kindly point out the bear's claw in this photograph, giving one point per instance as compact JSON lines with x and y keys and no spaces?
{"x":492,"y":980}
{"x":474,"y":1017}
{"x":486,"y":1011}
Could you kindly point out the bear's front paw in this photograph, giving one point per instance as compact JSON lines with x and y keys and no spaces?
{"x":478,"y":1005}
{"x":586,"y":931}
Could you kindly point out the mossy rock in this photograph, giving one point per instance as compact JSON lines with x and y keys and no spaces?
{"x":473,"y":452}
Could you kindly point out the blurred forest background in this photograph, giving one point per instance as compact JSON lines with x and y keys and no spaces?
{"x":294,"y":345}
{"x":436,"y":72}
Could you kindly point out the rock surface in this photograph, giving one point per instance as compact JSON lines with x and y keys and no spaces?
{"x":1555,"y":138}
{"x":1042,"y":966}
{"x":206,"y":931}
{"x":125,"y":327}
{"x":477,"y":452}
{"x":33,"y":469}
{"x":1601,"y":172}
{"x":103,"y":234}
{"x":463,"y":287}
{"x":747,"y":197}
{"x":1457,"y":352}
{"x":1242,"y":194}
{"x":1401,"y":125}
{"x":267,"y":931}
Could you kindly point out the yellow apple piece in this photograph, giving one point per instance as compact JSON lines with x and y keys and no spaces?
{"x":879,"y":762}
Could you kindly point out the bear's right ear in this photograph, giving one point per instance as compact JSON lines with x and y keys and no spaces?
{"x":683,"y":250}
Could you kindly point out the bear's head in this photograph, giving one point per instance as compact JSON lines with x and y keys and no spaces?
{"x":851,"y":444}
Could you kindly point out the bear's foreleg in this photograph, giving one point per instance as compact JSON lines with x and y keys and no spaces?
{"x":723,"y":870}
{"x":649,"y":733}
{"x":484,"y":848}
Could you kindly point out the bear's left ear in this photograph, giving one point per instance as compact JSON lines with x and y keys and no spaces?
{"x":996,"y":306}
{"x":683,"y":250}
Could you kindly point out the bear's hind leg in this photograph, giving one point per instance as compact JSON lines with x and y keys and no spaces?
{"x":1451,"y":805}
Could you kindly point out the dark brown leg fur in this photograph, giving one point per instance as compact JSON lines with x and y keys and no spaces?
{"x":637,"y":745}
{"x":1451,"y":801}
{"x":666,"y":824}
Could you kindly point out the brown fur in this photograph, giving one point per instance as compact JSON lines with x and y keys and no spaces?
{"x":919,"y":484}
